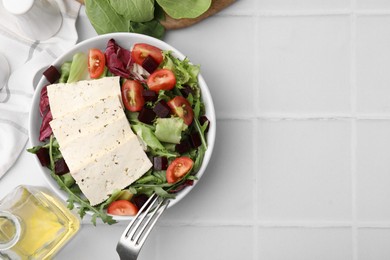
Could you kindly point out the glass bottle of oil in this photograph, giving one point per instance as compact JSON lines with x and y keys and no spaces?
{"x":34,"y":224}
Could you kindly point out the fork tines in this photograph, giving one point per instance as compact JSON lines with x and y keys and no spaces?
{"x":140,"y":227}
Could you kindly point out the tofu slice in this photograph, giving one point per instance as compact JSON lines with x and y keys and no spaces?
{"x":95,"y":138}
{"x":86,"y":119}
{"x":90,"y":145}
{"x":69,"y":97}
{"x":114,"y":170}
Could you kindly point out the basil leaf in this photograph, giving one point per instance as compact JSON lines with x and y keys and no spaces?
{"x":103,"y":17}
{"x":135,"y":10}
{"x":184,"y":8}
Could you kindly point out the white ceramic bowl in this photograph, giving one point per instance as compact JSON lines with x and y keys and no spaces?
{"x":125,"y":40}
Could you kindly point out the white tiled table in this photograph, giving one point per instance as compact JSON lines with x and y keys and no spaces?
{"x":301,"y":166}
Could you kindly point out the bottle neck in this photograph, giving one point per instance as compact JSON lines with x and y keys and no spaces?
{"x":10,"y":230}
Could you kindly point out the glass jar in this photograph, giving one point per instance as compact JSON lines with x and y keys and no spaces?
{"x":34,"y":224}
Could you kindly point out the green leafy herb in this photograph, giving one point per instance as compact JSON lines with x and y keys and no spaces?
{"x":184,"y":8}
{"x":152,"y":28}
{"x":134,"y":10}
{"x":199,"y":158}
{"x":68,"y":180}
{"x":104,"y":18}
{"x":140,"y":16}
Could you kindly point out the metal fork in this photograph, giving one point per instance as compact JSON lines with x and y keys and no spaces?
{"x":134,"y":236}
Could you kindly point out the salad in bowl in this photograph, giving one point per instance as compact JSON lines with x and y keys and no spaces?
{"x":117,"y":118}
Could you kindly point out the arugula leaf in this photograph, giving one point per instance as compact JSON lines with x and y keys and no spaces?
{"x":68,"y":180}
{"x":134,"y":10}
{"x":34,"y":149}
{"x":199,"y":158}
{"x":163,"y":193}
{"x":184,"y":8}
{"x":104,"y":18}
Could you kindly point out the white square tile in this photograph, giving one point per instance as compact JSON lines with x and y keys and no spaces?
{"x":373,"y":4}
{"x":226,"y":64}
{"x":240,"y":6}
{"x":198,"y":242}
{"x":304,"y":170}
{"x":302,"y":4}
{"x":305,"y":243}
{"x":99,"y":242}
{"x":304,"y":64}
{"x":373,"y":168}
{"x":228,"y":180}
{"x":373,"y":61}
{"x":373,"y":243}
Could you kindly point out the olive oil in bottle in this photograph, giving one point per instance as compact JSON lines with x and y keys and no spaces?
{"x":34,"y":224}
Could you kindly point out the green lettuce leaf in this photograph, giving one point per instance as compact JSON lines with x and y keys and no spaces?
{"x":147,"y":135}
{"x":65,"y":70}
{"x":185,"y":72}
{"x":78,"y":68}
{"x":169,"y":129}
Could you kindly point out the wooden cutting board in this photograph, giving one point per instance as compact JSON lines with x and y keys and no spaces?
{"x":171,"y":23}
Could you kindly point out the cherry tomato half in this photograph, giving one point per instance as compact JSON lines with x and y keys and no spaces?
{"x":182,"y":108}
{"x":122,"y":208}
{"x":162,"y":79}
{"x":132,"y":95}
{"x":96,"y":63}
{"x":142,"y":50}
{"x":178,"y":168}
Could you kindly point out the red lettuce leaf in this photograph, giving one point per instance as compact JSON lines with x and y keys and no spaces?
{"x":118,"y":59}
{"x":44,"y":102}
{"x":45,"y":130}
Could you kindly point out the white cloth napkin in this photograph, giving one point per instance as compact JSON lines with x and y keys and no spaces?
{"x":27,"y":59}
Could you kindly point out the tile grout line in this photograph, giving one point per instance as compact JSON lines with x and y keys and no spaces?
{"x":255,"y":124}
{"x":353,"y":101}
{"x":293,"y":13}
{"x":255,"y":176}
{"x":313,"y":117}
{"x":277,"y":224}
